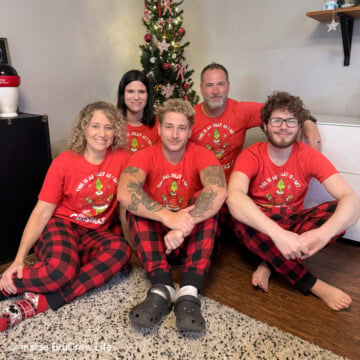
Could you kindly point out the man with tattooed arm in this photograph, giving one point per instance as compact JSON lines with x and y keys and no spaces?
{"x":173,"y":192}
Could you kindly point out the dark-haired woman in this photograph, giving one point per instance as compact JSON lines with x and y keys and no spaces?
{"x":136,"y":104}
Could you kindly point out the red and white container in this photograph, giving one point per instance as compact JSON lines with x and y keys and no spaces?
{"x":9,"y":91}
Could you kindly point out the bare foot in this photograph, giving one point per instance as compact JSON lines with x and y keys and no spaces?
{"x":332,"y":296}
{"x":260,"y":277}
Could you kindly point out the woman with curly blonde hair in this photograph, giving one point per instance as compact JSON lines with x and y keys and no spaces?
{"x":69,"y":226}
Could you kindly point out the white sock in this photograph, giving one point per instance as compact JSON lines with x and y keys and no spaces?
{"x":170,"y":289}
{"x":187,"y":290}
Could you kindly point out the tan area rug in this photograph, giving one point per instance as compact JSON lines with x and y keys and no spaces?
{"x":97,"y":326}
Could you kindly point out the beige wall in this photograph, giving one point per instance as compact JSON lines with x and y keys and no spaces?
{"x":71,"y":52}
{"x":273,"y":45}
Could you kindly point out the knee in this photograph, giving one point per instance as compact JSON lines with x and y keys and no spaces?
{"x":122,"y":251}
{"x":62,"y":273}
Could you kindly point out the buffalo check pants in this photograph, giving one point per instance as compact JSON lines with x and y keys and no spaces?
{"x":302,"y":221}
{"x":73,"y":260}
{"x":196,"y":250}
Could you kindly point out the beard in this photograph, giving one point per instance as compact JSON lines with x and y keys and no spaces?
{"x":215,"y":104}
{"x":282,"y":143}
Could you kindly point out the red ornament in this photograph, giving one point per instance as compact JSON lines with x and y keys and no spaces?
{"x":148,"y":38}
{"x":181,"y":31}
{"x":166,"y":66}
{"x":186,"y":86}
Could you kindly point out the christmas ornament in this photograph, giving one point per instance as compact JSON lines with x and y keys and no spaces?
{"x":332,"y":26}
{"x":166,"y":66}
{"x":152,"y":60}
{"x":186,"y":86}
{"x":147,"y":15}
{"x":167,"y":7}
{"x":161,"y":23}
{"x":163,"y":46}
{"x":148,"y":38}
{"x":167,"y":90}
{"x":181,"y":31}
{"x":180,"y":68}
{"x":173,"y":56}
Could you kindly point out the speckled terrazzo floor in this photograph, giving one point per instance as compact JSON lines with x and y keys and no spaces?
{"x":97,"y":326}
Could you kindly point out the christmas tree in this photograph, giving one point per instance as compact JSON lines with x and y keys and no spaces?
{"x":162,"y":57}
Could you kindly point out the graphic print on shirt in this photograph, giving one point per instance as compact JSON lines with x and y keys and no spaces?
{"x":138,"y":141}
{"x":172,"y":188}
{"x":96,"y":194}
{"x":280,"y":191}
{"x":215,"y":137}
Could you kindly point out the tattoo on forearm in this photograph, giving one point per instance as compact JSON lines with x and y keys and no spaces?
{"x":134,"y":203}
{"x":214,"y":175}
{"x":140,"y":196}
{"x":131,"y":170}
{"x":203,"y":202}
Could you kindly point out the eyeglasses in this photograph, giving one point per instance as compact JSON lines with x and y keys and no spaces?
{"x":276,"y":122}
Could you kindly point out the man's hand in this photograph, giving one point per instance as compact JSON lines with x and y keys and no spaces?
{"x":310,"y":133}
{"x":173,"y":239}
{"x":314,"y":241}
{"x":6,"y":281}
{"x":290,"y":246}
{"x":181,"y":220}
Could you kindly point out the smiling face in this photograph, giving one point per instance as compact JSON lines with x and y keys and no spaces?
{"x":283,"y":136}
{"x":214,"y":88}
{"x":135,"y":97}
{"x":99,"y":134}
{"x":175,"y":131}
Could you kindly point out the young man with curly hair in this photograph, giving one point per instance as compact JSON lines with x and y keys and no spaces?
{"x":266,"y":193}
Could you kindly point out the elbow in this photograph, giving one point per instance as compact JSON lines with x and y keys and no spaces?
{"x":229,"y":203}
{"x":121,"y":197}
{"x":223,"y":195}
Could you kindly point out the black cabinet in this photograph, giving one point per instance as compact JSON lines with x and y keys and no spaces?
{"x":25,"y":156}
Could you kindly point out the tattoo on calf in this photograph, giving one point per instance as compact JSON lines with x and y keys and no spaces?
{"x":214,"y":175}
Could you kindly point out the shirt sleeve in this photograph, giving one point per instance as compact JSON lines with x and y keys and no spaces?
{"x":204,"y":158}
{"x":141,"y":159}
{"x":247,"y":162}
{"x":52,"y":188}
{"x":318,"y":166}
{"x":251,"y":112}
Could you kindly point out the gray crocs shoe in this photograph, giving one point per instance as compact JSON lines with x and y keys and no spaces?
{"x":188,"y":314}
{"x":151,"y":311}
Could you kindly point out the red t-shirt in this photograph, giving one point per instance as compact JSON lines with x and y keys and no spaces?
{"x":272,"y":185}
{"x":140,"y":137}
{"x":225,"y":134}
{"x":83,"y":192}
{"x":173,"y":185}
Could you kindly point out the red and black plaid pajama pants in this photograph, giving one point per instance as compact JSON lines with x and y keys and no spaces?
{"x":196,"y":250}
{"x":73,"y":260}
{"x":299,"y":222}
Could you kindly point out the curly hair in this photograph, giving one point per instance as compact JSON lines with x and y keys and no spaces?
{"x":148,"y":118}
{"x":214,"y":66}
{"x":282,"y":100}
{"x":77,"y":140}
{"x":178,"y":106}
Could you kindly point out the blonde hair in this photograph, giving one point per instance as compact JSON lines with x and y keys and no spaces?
{"x":178,"y":106}
{"x":77,"y":140}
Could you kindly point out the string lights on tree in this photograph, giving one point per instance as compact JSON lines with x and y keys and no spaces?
{"x":162,"y":55}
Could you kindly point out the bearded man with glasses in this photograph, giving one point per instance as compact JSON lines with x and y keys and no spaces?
{"x":266,"y":193}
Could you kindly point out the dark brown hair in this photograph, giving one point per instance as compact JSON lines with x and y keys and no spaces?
{"x":282,"y":100}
